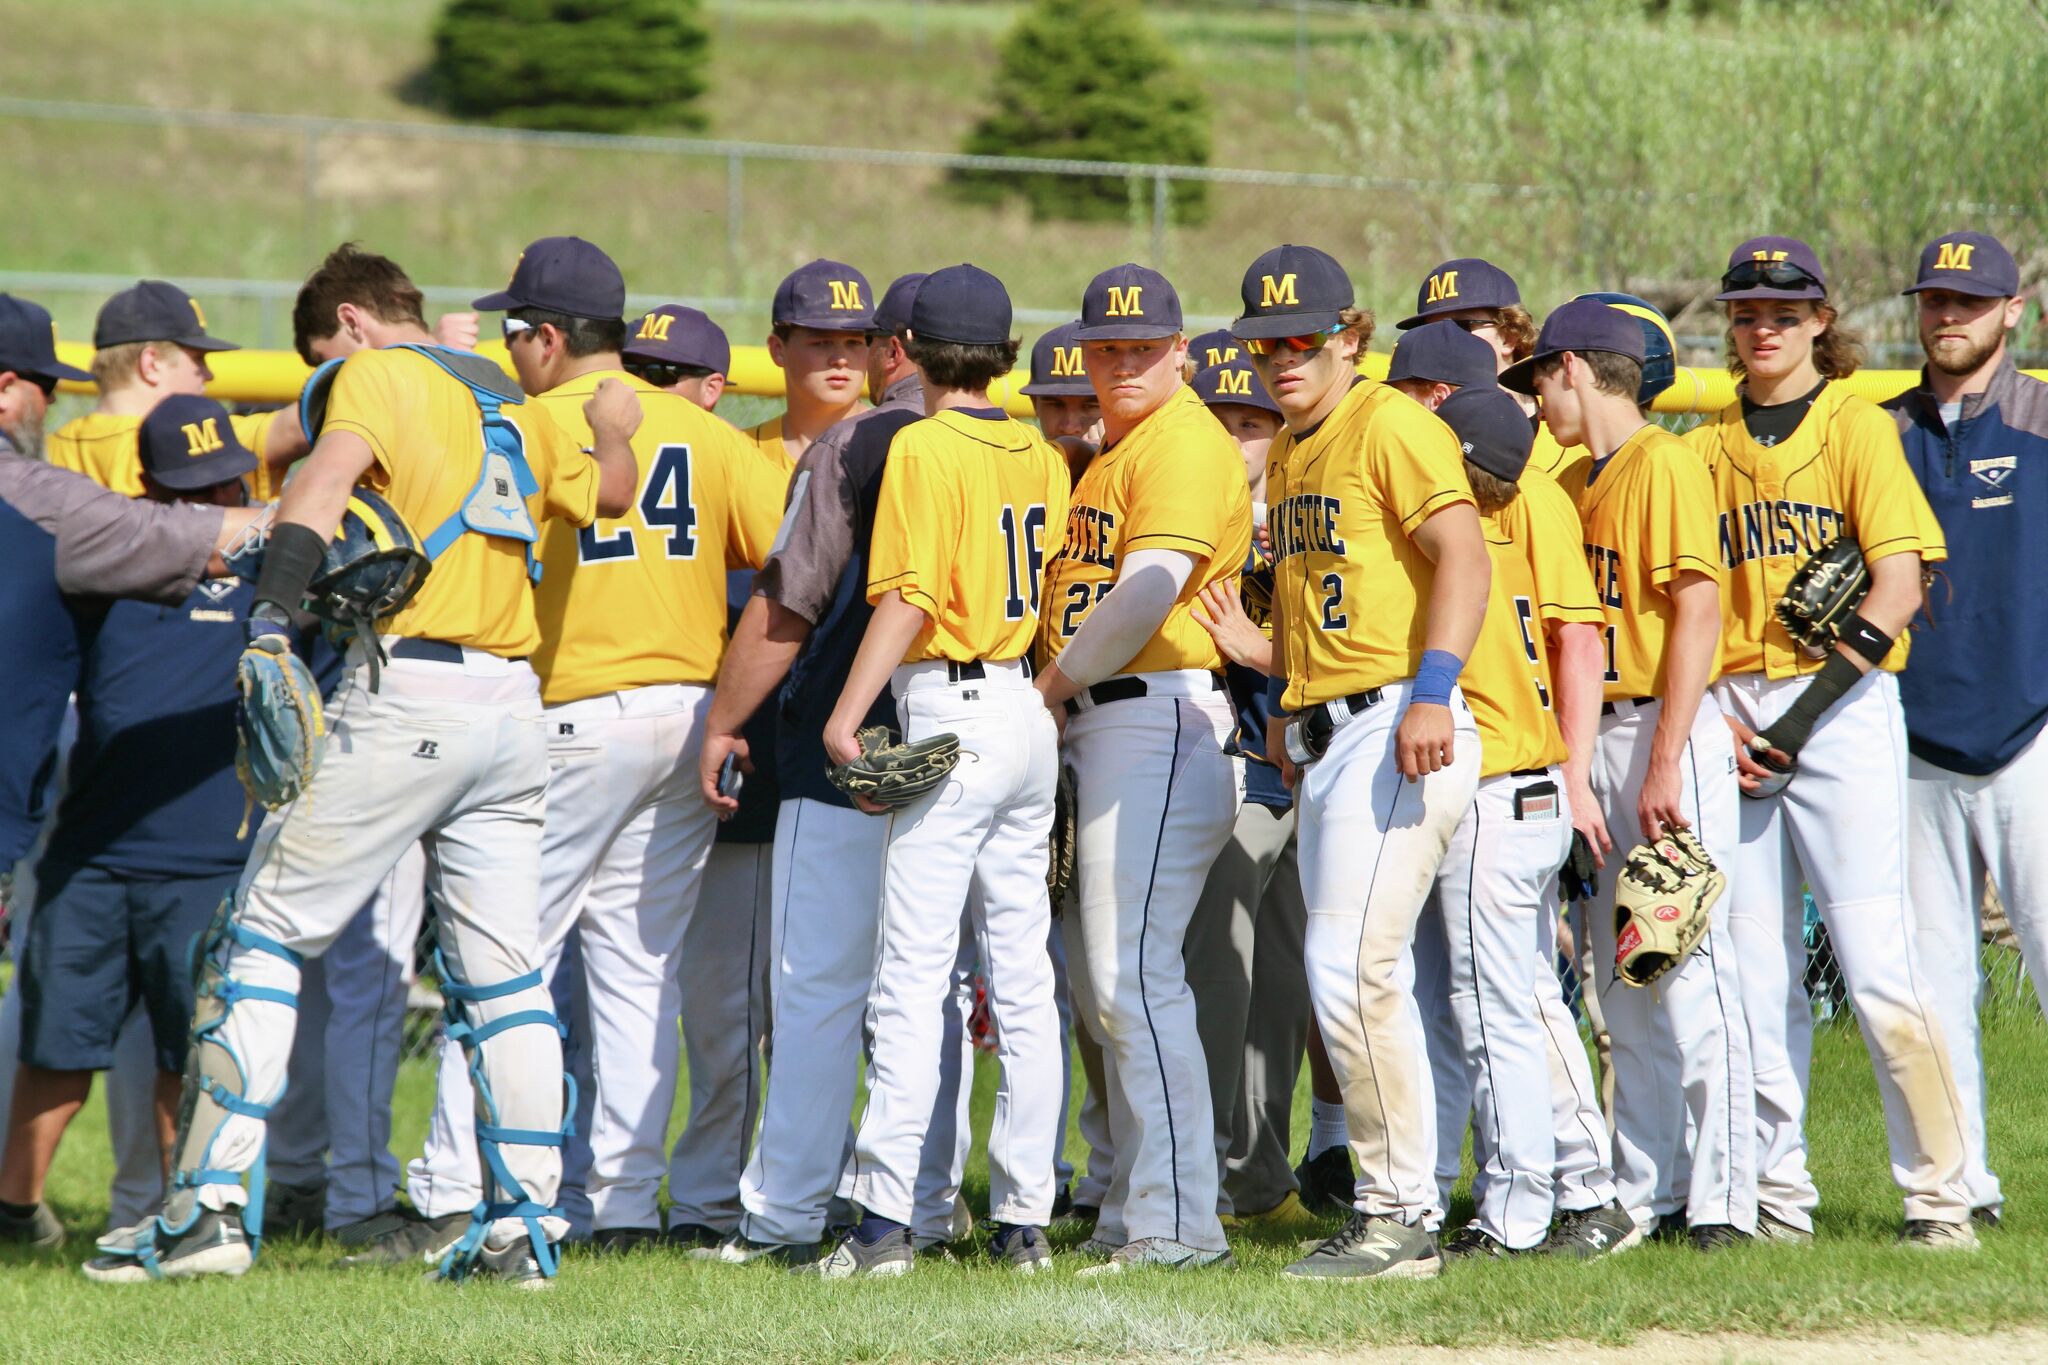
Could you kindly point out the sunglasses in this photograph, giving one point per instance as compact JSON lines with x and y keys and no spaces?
{"x":515,"y":327}
{"x":663,"y":373}
{"x":1307,"y":341}
{"x":1774,"y":274}
{"x":1474,"y":324}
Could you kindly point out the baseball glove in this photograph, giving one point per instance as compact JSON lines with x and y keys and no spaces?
{"x":278,"y":724}
{"x":1579,"y":878}
{"x":1256,"y":589}
{"x":891,"y":774}
{"x":1662,"y":901}
{"x":1059,"y":872}
{"x":1824,"y":592}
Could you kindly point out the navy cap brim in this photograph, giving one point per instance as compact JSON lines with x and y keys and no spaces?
{"x":1975,"y":288}
{"x":54,"y":370}
{"x":1764,"y":291}
{"x":504,"y":301}
{"x":1417,"y":319}
{"x":853,"y":326}
{"x":1059,"y":388}
{"x":221,"y":467}
{"x":1269,"y":325}
{"x":208,"y":344}
{"x":1125,"y":331}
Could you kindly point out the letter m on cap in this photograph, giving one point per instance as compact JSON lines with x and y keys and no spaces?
{"x":1274,"y":293}
{"x":654,"y":327}
{"x":1066,"y":362}
{"x":845,"y":295}
{"x":1126,"y":301}
{"x":1441,"y":287}
{"x":1954,"y":255}
{"x":202,"y":438}
{"x":1235,"y":383}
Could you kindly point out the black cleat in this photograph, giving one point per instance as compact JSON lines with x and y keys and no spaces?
{"x":38,"y":1231}
{"x":1470,"y":1243}
{"x":1328,"y":1182}
{"x":617,"y":1241}
{"x":692,"y":1236}
{"x":850,"y":1258}
{"x":214,"y":1244}
{"x":1583,"y":1234}
{"x":1715,"y":1236}
{"x":400,"y":1237}
{"x":1021,"y":1248}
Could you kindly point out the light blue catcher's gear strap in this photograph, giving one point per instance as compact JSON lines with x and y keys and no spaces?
{"x":501,"y":437}
{"x":313,"y":398}
{"x":503,"y":1195}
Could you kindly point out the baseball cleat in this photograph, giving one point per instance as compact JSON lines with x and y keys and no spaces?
{"x":852,"y":1259}
{"x":1987,"y":1216}
{"x":1020,"y":1247}
{"x":38,"y":1230}
{"x":1583,"y":1234}
{"x":1287,"y":1218}
{"x":295,"y":1208}
{"x":1928,"y":1235}
{"x":1097,"y":1245}
{"x":1666,"y":1227}
{"x":514,"y":1264}
{"x":399,"y":1236}
{"x":620,"y":1240}
{"x":1328,"y":1182}
{"x":1715,"y":1236}
{"x":740,"y":1249}
{"x":1160,"y":1253}
{"x":1771,"y":1228}
{"x":214,"y":1244}
{"x":1372,"y":1248}
{"x":1472,"y":1243}
{"x":692,"y":1236}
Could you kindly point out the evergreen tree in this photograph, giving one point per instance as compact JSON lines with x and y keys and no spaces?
{"x":601,"y":66}
{"x":1089,"y":80}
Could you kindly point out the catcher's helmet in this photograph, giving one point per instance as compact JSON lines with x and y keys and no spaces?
{"x":1660,"y":353}
{"x":372,"y":568}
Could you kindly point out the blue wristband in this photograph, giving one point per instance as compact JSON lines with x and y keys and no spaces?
{"x":1435,"y":677}
{"x":1276,"y":688}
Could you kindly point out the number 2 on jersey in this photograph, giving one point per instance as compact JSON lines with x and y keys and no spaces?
{"x":664,"y":502}
{"x":1026,"y":560}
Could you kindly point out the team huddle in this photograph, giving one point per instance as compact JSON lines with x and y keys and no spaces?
{"x":1242,"y":710}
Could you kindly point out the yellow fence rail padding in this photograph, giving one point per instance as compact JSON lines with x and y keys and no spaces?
{"x":277,"y":376}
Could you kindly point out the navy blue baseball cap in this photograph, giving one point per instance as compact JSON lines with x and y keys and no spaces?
{"x":1443,"y":353}
{"x":963,"y":304}
{"x":1491,"y":428}
{"x":1660,"y":356}
{"x":1772,"y":268}
{"x":1214,"y":348}
{"x":155,"y":310}
{"x":675,"y":335}
{"x":1056,"y":369}
{"x":1292,"y":291}
{"x":1234,"y":381}
{"x":1582,"y":325}
{"x":892,"y":314}
{"x":28,"y":342}
{"x":1467,"y":282}
{"x":1968,"y":263}
{"x":563,"y":275}
{"x":825,"y":296}
{"x":1129,"y":302}
{"x":188,"y":443}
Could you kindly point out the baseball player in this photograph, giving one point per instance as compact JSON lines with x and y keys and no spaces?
{"x":1798,"y":461}
{"x":1436,"y":359}
{"x":1162,"y":512}
{"x":1973,"y":700}
{"x":627,"y":837}
{"x":1243,"y":946}
{"x":1663,"y":761}
{"x":1061,"y":397}
{"x":821,"y":316}
{"x":449,"y":750}
{"x":150,"y":341}
{"x":1380,"y":585}
{"x":681,"y":350}
{"x":954,"y":564}
{"x":1210,"y":349}
{"x":804,"y":624}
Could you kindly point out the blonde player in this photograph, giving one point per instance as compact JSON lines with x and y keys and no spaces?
{"x":1162,"y":511}
{"x":967,"y":496}
{"x":1798,"y":461}
{"x":1663,"y":761}
{"x":632,"y":614}
{"x":1380,"y":585}
{"x":821,"y":315}
{"x":149,"y":342}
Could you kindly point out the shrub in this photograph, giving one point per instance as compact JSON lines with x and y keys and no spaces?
{"x":600,"y":66}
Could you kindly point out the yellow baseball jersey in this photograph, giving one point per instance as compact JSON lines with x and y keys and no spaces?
{"x":1539,"y":576}
{"x":1648,"y":517}
{"x":1350,"y":586}
{"x":637,"y":600}
{"x":424,"y":432}
{"x":1174,"y":482}
{"x":106,"y":448}
{"x":960,"y":531}
{"x":1841,"y":473}
{"x":1565,"y":468}
{"x":767,"y":437}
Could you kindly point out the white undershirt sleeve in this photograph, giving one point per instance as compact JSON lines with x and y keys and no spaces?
{"x":1129,"y":616}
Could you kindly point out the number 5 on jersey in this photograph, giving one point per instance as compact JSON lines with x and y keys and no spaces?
{"x":664,"y":501}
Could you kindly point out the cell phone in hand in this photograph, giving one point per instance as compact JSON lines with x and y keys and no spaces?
{"x":730,"y":777}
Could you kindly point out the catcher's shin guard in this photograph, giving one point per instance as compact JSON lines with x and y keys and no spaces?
{"x":503,"y":1195}
{"x":215,"y":1090}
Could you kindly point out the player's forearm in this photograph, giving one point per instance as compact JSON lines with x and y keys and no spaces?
{"x":1688,"y":662}
{"x":764,"y":645}
{"x":284,"y":441}
{"x":1577,"y":663}
{"x":618,"y":473}
{"x":891,"y":631}
{"x":318,"y":495}
{"x":1121,"y":624}
{"x":1457,"y":593}
{"x":1893,"y":598}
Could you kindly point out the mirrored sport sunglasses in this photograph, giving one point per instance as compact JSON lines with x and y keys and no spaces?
{"x":516,"y":327}
{"x":1307,"y":341}
{"x":1768,"y":274}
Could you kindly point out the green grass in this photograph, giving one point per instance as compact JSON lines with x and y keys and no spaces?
{"x":295,"y":1308}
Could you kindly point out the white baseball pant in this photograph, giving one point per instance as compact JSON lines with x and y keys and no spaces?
{"x":1961,"y":829}
{"x":1840,"y":829}
{"x":1680,"y":1046}
{"x":984,"y":830}
{"x":1584,"y":1177}
{"x":1370,"y":844}
{"x":1156,"y":795}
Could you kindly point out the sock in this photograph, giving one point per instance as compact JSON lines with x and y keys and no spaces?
{"x":871,"y":1229}
{"x":17,"y":1211}
{"x":1325,"y":1127}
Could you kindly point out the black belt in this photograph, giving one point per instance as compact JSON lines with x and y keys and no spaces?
{"x":434,"y":651}
{"x":1126,"y":689}
{"x":1317,"y":725}
{"x":1530,"y":772}
{"x":975,"y":671}
{"x":1607,"y":707}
